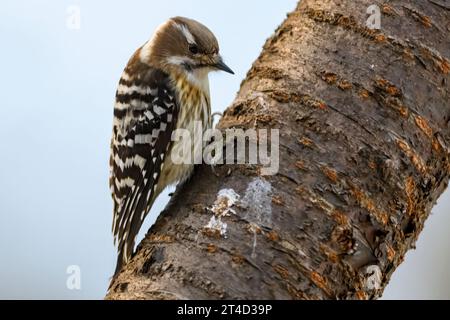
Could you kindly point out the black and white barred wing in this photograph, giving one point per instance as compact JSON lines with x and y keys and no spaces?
{"x":144,"y":118}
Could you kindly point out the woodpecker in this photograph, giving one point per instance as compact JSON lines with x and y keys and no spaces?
{"x":164,"y":87}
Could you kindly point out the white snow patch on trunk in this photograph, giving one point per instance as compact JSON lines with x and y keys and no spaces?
{"x":217,"y":225}
{"x":257,"y":201}
{"x":257,"y":205}
{"x":226,"y":198}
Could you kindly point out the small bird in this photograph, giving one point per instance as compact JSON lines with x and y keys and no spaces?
{"x":164,"y":87}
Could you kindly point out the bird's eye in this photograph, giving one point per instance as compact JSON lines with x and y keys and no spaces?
{"x":193,"y":48}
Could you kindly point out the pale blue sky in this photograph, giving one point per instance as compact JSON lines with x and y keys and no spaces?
{"x":56,"y":111}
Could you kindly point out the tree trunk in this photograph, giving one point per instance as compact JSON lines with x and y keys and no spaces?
{"x":364,"y":127}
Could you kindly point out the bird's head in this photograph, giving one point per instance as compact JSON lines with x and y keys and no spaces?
{"x":184,"y":45}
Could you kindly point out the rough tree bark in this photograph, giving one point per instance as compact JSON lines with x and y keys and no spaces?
{"x":364,"y":131}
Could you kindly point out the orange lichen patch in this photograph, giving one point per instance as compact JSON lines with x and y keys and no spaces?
{"x":367,"y":203}
{"x":382,"y":83}
{"x":340,"y":217}
{"x":388,"y":87}
{"x":441,"y":63}
{"x":329,"y":253}
{"x":423,"y":125}
{"x":314,"y":103}
{"x":333,"y":79}
{"x":390,"y":252}
{"x":427,"y":53}
{"x":278,"y":200}
{"x":372,"y":165}
{"x":296,"y":294}
{"x":388,"y":10}
{"x":211,"y":233}
{"x":380,"y":37}
{"x":397,"y":105}
{"x":161,"y":238}
{"x":393,"y":91}
{"x":264,"y":118}
{"x":329,"y":77}
{"x":315,"y":199}
{"x":344,"y":85}
{"x":320,"y":281}
{"x":322,"y":106}
{"x":420,"y":17}
{"x":282,"y":271}
{"x":361,"y":295}
{"x":237,"y":259}
{"x":444,"y":66}
{"x":363,"y":93}
{"x":407,"y":54}
{"x":306,"y":142}
{"x":347,"y":22}
{"x":330,"y":174}
{"x":301,"y":191}
{"x":403,"y":111}
{"x":426,"y":21}
{"x":284,"y":96}
{"x":410,"y":188}
{"x":436,"y":145}
{"x":253,"y":228}
{"x":415,"y":159}
{"x":300,"y":165}
{"x":267,"y":72}
{"x":272,"y":235}
{"x":211,"y":248}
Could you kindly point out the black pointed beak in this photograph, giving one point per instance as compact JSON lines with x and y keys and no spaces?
{"x":222,"y":66}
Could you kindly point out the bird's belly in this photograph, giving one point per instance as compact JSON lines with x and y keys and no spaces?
{"x":179,"y":164}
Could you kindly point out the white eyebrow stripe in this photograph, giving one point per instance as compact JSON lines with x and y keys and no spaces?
{"x":178,"y":60}
{"x":187,"y":34}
